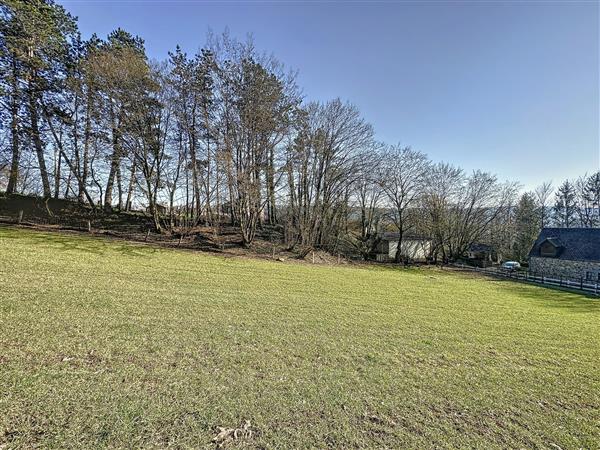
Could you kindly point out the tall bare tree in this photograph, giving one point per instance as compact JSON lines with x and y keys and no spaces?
{"x":402,"y":182}
{"x":367,"y":199}
{"x":542,"y":195}
{"x":321,"y":164}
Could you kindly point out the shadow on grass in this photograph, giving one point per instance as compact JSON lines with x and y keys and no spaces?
{"x":544,"y":295}
{"x":134,"y":250}
{"x":74,"y":242}
{"x":550,"y":297}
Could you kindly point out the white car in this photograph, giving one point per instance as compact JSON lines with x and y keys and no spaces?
{"x":511,"y":265}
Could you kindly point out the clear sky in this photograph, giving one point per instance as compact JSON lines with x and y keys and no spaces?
{"x":508,"y":87}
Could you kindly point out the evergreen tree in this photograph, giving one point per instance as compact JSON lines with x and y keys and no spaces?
{"x":36,"y":36}
{"x":10,"y":93}
{"x":565,"y":206}
{"x":527,"y":219}
{"x":121,"y":78}
{"x":591,"y":196}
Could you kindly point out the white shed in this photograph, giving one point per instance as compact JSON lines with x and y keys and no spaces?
{"x":413,"y":247}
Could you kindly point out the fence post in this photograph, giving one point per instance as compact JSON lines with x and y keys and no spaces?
{"x":313,"y":257}
{"x":89,"y":226}
{"x":20,"y":219}
{"x":147,"y":234}
{"x":338,"y":258}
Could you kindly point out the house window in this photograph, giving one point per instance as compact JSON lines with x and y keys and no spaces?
{"x":548,"y":250}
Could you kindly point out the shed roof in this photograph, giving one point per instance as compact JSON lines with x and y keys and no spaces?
{"x":390,"y":236}
{"x":479,"y":247}
{"x":576,"y":244}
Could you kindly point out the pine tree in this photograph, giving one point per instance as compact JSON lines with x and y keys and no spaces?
{"x":37,"y":37}
{"x":565,"y":206}
{"x":527,"y":218}
{"x":120,"y":72}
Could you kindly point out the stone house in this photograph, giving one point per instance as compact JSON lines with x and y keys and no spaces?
{"x":572,"y":253}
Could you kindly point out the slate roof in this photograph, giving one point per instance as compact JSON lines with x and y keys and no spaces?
{"x":555,"y":241}
{"x":480,"y":248}
{"x":576,"y":244}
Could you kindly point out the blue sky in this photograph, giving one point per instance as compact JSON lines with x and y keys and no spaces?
{"x":507,"y":87}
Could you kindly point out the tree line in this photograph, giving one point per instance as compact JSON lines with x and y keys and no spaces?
{"x":226,"y":136}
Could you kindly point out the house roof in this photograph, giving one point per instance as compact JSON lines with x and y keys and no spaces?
{"x":577,"y":244}
{"x":479,"y":247}
{"x":555,"y":241}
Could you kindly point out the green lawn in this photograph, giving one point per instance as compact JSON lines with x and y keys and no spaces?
{"x":108,"y":344}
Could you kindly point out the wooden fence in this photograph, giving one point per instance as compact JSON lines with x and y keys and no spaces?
{"x":581,"y":284}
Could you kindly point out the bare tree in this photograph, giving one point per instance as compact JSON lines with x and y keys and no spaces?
{"x":148,"y":125}
{"x":461,"y":210}
{"x":542,"y":195}
{"x":321,"y":163}
{"x":367,"y":199}
{"x":443,"y":183}
{"x":480,"y":201}
{"x":257,"y":100}
{"x":404,"y":171}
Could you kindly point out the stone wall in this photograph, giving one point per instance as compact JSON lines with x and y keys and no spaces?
{"x":556,"y":268}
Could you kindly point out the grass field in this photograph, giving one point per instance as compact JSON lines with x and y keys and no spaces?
{"x":108,"y":344}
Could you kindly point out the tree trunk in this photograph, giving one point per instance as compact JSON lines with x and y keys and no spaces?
{"x":68,"y":186}
{"x":14,"y":128}
{"x":86,"y":147}
{"x":195,"y":184}
{"x":152,"y":201}
{"x":187,"y":194}
{"x":37,"y":141}
{"x":271,"y":188}
{"x":171,"y":211}
{"x":114,"y":164}
{"x":398,"y":256}
{"x":72,"y":167}
{"x":209,"y":219}
{"x":119,"y":187}
{"x":57,"y":176}
{"x":130,"y":189}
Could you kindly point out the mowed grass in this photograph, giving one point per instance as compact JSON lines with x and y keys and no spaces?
{"x":109,"y":344}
